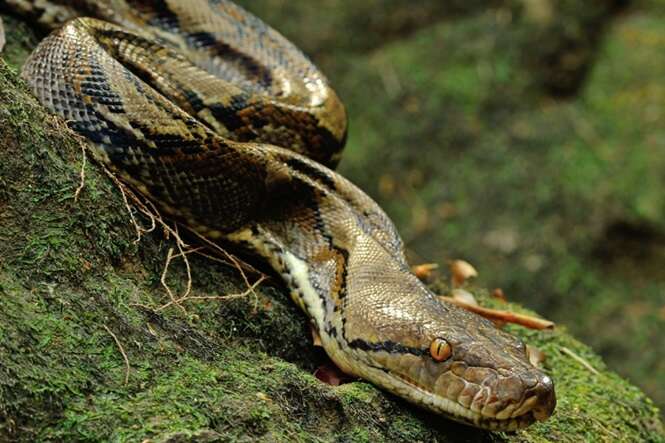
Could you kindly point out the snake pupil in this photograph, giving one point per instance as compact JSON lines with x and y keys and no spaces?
{"x":440,"y":350}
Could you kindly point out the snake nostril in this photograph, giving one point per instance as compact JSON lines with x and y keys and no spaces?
{"x":546,"y":399}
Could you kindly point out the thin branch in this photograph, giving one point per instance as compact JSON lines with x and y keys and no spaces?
{"x":84,"y":160}
{"x":501,"y":315}
{"x":124,"y":191}
{"x":240,"y":266}
{"x":169,"y":258}
{"x":149,"y":210}
{"x":122,"y":351}
{"x":146,"y":207}
{"x":180,"y":244}
{"x":249,"y":290}
{"x":579,"y":359}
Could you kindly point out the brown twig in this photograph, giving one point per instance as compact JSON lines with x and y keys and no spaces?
{"x":146,"y":207}
{"x":82,"y":173}
{"x":181,"y":253}
{"x":127,"y":194}
{"x":198,"y":251}
{"x":250,"y":290}
{"x":240,"y":266}
{"x":501,"y":315}
{"x":167,"y":288}
{"x":122,"y":351}
{"x":83,"y":144}
{"x":579,"y":359}
{"x":149,"y":210}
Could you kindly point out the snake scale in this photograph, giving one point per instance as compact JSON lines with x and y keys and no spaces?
{"x":231,"y":130}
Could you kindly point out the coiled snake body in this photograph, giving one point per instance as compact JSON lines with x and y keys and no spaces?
{"x":190,"y":102}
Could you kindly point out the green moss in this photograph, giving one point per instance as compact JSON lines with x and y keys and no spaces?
{"x":20,"y":43}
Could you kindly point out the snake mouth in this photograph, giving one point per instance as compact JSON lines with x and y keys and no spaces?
{"x":537,"y":405}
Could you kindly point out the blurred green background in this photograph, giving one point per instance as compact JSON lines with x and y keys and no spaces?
{"x":525,"y":136}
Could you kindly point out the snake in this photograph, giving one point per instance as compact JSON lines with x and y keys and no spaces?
{"x":231,"y":130}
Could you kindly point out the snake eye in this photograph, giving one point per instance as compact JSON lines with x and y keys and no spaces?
{"x":440,"y":349}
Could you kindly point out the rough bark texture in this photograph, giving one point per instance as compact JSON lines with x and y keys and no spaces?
{"x":72,"y":276}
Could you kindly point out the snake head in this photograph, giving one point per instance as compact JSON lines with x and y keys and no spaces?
{"x":444,"y":358}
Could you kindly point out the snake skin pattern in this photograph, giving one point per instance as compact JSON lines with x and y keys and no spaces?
{"x":231,"y":130}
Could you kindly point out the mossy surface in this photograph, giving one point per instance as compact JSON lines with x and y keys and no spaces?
{"x":71,"y":274}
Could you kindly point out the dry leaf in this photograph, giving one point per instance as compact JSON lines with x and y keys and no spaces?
{"x":498,"y":294}
{"x":425,"y":270}
{"x":536,"y":356}
{"x":462,"y":271}
{"x":316,"y":338}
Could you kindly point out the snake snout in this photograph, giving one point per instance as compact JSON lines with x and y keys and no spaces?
{"x":527,"y":396}
{"x":539,"y":399}
{"x":545,"y":398}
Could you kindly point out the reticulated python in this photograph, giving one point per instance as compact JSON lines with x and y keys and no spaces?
{"x":188,"y":101}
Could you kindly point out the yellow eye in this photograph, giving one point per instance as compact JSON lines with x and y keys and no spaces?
{"x":440,"y":349}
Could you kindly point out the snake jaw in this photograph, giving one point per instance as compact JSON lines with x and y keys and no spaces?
{"x":480,"y":404}
{"x":538,"y":406}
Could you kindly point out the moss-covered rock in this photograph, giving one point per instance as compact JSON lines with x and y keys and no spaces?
{"x":77,"y":291}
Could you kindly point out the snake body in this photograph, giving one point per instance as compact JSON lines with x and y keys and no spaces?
{"x":231,"y":130}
